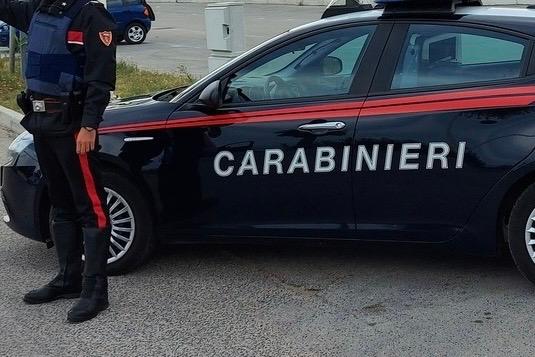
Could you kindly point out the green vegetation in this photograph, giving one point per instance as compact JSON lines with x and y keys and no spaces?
{"x":131,"y":81}
{"x":10,"y":85}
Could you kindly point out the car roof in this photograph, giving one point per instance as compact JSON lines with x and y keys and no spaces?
{"x":520,"y":19}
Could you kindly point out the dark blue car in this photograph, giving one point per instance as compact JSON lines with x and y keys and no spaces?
{"x":4,"y":35}
{"x":133,"y":19}
{"x":394,"y":125}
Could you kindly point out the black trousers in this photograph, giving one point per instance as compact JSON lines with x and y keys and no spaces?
{"x":73,"y":180}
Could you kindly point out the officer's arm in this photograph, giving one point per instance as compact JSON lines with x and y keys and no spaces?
{"x":100,"y":65}
{"x":18,"y":13}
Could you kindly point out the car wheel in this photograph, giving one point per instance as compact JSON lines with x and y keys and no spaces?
{"x":521,"y":233}
{"x":135,"y":34}
{"x":132,"y":238}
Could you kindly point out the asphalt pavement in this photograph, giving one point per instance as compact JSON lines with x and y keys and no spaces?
{"x":178,"y":37}
{"x":281,"y":300}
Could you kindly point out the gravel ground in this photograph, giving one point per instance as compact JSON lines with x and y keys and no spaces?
{"x":276,"y":301}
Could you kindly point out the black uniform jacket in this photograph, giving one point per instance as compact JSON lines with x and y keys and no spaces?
{"x":85,"y":39}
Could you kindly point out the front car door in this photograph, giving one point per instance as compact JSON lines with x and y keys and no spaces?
{"x":442,"y":125}
{"x":272,"y":161}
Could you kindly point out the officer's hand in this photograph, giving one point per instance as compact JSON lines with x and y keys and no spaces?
{"x":85,"y":141}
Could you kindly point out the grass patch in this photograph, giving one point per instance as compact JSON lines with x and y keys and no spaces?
{"x":131,"y":81}
{"x":10,"y":85}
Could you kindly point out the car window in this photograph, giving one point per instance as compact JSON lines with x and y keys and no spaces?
{"x":132,"y":2}
{"x":443,"y":55}
{"x":319,"y":65}
{"x":114,"y":3}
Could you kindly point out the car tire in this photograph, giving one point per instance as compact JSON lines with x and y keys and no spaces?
{"x":136,"y":235}
{"x":135,"y":34}
{"x":522,"y":219}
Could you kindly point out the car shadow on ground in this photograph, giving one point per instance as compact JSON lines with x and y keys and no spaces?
{"x":309,"y":267}
{"x":316,"y":267}
{"x":355,"y":252}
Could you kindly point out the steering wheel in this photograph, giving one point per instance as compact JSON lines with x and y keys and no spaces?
{"x":276,"y":87}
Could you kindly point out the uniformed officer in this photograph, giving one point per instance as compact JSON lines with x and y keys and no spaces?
{"x":70,"y":72}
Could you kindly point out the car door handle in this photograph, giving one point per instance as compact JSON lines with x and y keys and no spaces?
{"x":138,"y":138}
{"x":318,"y":128}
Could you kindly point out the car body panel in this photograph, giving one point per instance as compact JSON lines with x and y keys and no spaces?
{"x":490,"y":214}
{"x":283,"y":203}
{"x":484,"y":143}
{"x":23,"y":195}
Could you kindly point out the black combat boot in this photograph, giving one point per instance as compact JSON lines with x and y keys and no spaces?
{"x":68,"y":283}
{"x":94,"y":296}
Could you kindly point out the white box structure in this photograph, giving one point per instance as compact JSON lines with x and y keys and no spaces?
{"x":225,"y":32}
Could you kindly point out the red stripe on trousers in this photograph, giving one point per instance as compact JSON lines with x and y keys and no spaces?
{"x":92,"y":191}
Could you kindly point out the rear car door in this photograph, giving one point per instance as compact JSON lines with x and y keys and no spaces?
{"x":271,"y":161}
{"x":442,"y":125}
{"x":134,"y":8}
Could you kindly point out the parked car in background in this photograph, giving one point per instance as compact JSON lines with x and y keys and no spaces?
{"x":4,"y":34}
{"x":133,"y":18}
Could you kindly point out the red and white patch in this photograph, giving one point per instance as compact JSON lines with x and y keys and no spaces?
{"x":75,"y":38}
{"x":106,"y":37}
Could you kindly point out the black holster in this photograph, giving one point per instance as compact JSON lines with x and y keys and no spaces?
{"x":24,"y":102}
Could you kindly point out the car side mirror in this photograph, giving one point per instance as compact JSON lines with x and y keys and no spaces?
{"x":212,"y":96}
{"x":331,"y":66}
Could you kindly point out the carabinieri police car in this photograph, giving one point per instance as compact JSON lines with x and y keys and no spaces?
{"x":413,"y":122}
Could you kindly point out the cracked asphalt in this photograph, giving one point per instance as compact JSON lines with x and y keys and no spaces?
{"x":365,"y":300}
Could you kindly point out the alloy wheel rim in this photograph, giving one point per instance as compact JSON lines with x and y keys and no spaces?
{"x":530,"y":235}
{"x":123,"y":225}
{"x":135,"y":33}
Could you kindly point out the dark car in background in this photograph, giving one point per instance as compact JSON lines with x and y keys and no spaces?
{"x":134,"y":19}
{"x":4,"y":34}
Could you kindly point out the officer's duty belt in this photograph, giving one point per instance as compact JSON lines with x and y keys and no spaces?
{"x":48,"y":105}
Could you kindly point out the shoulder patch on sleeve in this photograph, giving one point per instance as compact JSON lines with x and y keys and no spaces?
{"x":106,"y":37}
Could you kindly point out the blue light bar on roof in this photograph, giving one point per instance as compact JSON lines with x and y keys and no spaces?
{"x":423,"y":7}
{"x":392,"y":1}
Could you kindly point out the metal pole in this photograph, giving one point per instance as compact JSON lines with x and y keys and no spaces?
{"x":12,"y":48}
{"x":23,"y":49}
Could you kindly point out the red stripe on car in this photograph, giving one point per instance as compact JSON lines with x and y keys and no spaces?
{"x":493,"y":98}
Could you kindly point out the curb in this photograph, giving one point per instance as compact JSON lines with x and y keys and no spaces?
{"x":10,"y":119}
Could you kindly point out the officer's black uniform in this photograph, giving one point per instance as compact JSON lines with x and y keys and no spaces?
{"x":70,"y":73}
